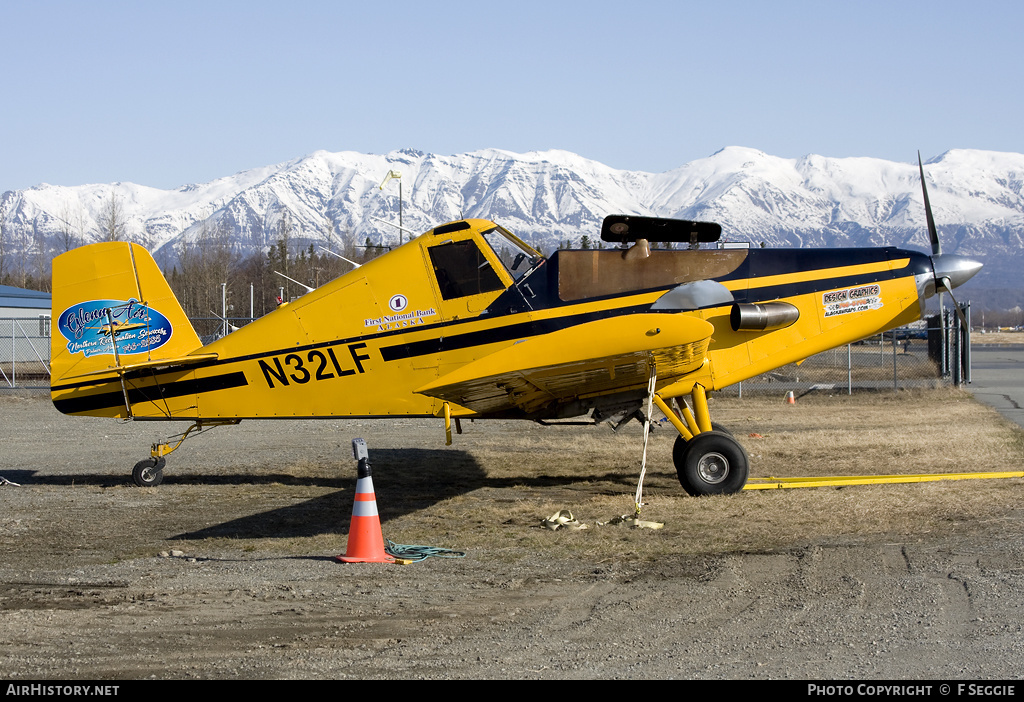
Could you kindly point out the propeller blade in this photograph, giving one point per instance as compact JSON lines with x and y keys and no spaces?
{"x":936,"y":246}
{"x":956,"y":305}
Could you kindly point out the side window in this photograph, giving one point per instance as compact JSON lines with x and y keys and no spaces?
{"x":462,"y":270}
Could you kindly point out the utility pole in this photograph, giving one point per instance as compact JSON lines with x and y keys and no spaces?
{"x":397,"y":176}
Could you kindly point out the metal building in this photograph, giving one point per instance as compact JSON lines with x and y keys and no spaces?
{"x":21,"y":303}
{"x":24,"y":335}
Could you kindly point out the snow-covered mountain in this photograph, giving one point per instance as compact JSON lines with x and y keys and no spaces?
{"x":550,"y":197}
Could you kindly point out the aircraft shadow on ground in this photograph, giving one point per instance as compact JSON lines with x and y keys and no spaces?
{"x":106,"y":480}
{"x":404,"y":480}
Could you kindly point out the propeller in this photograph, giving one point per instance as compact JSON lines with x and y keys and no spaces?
{"x":950,"y":271}
{"x":932,"y":232}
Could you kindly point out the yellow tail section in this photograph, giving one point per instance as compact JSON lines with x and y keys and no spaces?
{"x":113,"y":309}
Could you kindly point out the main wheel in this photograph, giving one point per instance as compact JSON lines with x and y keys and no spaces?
{"x":149,"y":472}
{"x":680,"y":445}
{"x":712,"y":463}
{"x":714,"y":427}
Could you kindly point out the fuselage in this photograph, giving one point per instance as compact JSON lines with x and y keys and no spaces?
{"x":363,"y":344}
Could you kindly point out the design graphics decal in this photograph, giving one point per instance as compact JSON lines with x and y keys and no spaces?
{"x":865,"y":297}
{"x":136,"y":327}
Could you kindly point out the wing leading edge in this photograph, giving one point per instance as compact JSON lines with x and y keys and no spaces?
{"x":588,"y":360}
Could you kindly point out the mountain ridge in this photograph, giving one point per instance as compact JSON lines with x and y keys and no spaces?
{"x":549,"y":197}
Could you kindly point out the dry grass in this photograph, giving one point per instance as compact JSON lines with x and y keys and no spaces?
{"x":488,"y":492}
{"x":997,"y":338}
{"x":533,"y":472}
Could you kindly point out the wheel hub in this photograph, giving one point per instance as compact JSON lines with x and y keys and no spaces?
{"x":713,"y":467}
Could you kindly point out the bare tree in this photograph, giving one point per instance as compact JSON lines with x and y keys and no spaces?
{"x":71,"y":230}
{"x":39,"y":258}
{"x":278,"y":255}
{"x":206,"y":262}
{"x":112,"y":220}
{"x":4,"y":207}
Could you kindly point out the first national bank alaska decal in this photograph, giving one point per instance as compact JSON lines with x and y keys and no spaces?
{"x":133,"y":326}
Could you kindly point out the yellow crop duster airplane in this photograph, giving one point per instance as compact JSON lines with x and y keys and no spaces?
{"x":467,"y":321}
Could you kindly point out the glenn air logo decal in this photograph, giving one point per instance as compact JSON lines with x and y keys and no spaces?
{"x":136,"y":327}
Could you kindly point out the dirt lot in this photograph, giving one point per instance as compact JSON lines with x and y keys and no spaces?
{"x":891,"y":581}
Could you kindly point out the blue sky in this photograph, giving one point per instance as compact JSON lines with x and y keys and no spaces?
{"x":165,"y":94}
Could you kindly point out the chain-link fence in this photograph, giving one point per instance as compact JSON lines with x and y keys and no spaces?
{"x":25,"y":352}
{"x":212,"y":328}
{"x":892,"y":360}
{"x":920,"y":356}
{"x":25,"y":348}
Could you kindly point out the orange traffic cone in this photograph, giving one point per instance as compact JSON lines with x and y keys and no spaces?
{"x":365,"y":540}
{"x":790,"y":398}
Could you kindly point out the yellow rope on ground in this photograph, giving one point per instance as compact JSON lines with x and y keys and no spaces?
{"x":771,"y":483}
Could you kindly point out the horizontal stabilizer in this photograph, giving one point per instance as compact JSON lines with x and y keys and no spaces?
{"x":160,"y":364}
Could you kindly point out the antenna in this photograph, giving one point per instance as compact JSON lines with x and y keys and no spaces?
{"x":227,"y":324}
{"x":340,"y":256}
{"x":389,"y":176}
{"x":301,"y":285}
{"x":396,"y":226}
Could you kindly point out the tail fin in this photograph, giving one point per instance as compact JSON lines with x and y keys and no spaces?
{"x":116,"y":309}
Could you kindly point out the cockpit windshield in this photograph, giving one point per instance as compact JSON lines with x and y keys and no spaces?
{"x":517,"y":256}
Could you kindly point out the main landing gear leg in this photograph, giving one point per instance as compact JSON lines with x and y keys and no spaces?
{"x":708,"y":459}
{"x":149,"y":472}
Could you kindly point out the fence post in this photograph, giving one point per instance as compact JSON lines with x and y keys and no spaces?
{"x":849,"y":369}
{"x":967,"y":342}
{"x":895,"y":384}
{"x":956,"y":356}
{"x":946,"y":370}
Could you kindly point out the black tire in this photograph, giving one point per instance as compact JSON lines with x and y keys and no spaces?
{"x":712,"y":463}
{"x":149,"y":472}
{"x":680,"y":442}
{"x":720,"y":428}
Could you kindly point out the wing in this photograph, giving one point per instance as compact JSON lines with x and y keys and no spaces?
{"x":587,"y":360}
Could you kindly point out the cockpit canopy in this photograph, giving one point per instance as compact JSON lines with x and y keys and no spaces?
{"x":463,"y":270}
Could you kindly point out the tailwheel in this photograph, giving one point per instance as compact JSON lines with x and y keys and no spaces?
{"x":711,"y":463}
{"x":149,"y":472}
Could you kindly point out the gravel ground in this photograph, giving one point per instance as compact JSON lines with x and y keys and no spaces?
{"x":91,"y":586}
